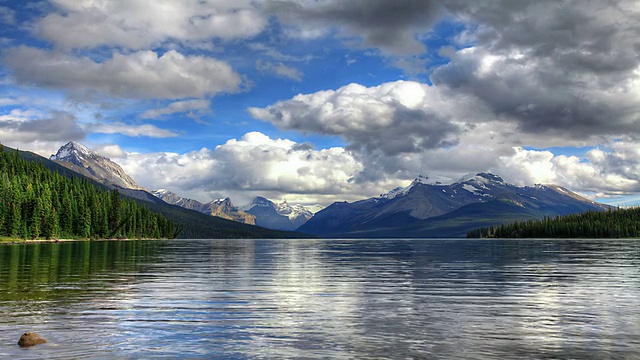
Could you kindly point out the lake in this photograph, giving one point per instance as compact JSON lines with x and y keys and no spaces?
{"x":318,"y":299}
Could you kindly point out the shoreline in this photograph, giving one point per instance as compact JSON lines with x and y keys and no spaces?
{"x":10,"y":241}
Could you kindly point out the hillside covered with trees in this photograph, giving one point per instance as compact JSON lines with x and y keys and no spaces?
{"x":618,"y":223}
{"x":36,"y":202}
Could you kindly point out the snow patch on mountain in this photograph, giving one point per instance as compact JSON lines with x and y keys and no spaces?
{"x":293,"y":211}
{"x":95,"y":165}
{"x":420,"y":180}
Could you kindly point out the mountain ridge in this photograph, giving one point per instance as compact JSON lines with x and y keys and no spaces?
{"x":404,"y":211}
{"x":280,"y":216}
{"x":196,"y":225}
{"x":97,"y":166}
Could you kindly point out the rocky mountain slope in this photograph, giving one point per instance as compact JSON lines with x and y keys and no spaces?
{"x":432,"y":210}
{"x":222,"y":208}
{"x":89,"y":163}
{"x":173,"y":199}
{"x":279,"y":216}
{"x":225,"y":209}
{"x":82,"y":159}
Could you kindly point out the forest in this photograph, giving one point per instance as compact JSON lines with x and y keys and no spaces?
{"x":37,"y":203}
{"x":614,"y":223}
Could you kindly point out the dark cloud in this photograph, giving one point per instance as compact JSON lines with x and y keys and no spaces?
{"x":59,"y":127}
{"x":389,"y":25}
{"x":569,"y":67}
{"x":595,"y":36}
{"x":411,"y":131}
{"x":395,"y":118}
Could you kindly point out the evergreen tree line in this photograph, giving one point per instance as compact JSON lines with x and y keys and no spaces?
{"x":38,"y":203}
{"x":618,"y":223}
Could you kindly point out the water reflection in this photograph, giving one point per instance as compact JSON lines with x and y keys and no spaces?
{"x":323,"y":299}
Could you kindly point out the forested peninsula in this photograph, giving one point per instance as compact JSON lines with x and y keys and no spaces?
{"x":37,"y":203}
{"x":615,"y":223}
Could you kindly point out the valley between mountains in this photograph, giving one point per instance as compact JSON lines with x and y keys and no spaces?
{"x":425,"y":208}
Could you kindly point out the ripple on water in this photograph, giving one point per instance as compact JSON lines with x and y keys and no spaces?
{"x":323,"y":299}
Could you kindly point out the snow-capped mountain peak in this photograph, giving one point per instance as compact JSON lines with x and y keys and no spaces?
{"x":420,"y":180}
{"x":280,"y":216}
{"x":73,"y":152}
{"x":258,"y":201}
{"x":481,"y":178}
{"x":94,"y":165}
{"x":293,"y":212}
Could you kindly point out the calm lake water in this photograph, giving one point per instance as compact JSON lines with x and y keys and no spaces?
{"x":339,"y":299}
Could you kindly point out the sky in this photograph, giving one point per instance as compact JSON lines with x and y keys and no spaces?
{"x":316,"y":101}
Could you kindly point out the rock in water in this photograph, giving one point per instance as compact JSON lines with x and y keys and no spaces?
{"x":30,"y":339}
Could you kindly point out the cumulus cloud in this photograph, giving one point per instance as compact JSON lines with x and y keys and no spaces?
{"x":548,"y":66}
{"x":532,"y":94}
{"x":141,"y":24}
{"x":252,"y":165}
{"x":397,"y":117}
{"x":611,"y":172}
{"x":110,"y":150}
{"x":392,"y":26}
{"x":522,"y":75}
{"x":142,"y":74}
{"x":551,"y":66}
{"x":195,"y":108}
{"x":538,"y":74}
{"x":279,"y":69}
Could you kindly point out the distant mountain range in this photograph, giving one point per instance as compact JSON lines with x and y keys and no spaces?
{"x":223,"y":208}
{"x":436,"y":210}
{"x":195,"y":225}
{"x":261,"y":211}
{"x":89,"y":163}
{"x":280,"y":216}
{"x":425,"y":208}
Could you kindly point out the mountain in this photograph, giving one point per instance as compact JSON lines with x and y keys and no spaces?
{"x":225,"y":209}
{"x":173,"y":199}
{"x":281,"y":216}
{"x":195,"y":225}
{"x":222,"y":208}
{"x":425,"y":209}
{"x":81,"y":159}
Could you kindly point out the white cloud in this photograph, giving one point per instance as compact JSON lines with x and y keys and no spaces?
{"x":279,"y":69}
{"x":109,"y":150}
{"x":142,"y":24}
{"x":30,"y":129}
{"x":196,"y":108}
{"x":611,"y":172}
{"x":141,"y":74}
{"x":397,"y":117}
{"x":254,"y":165}
{"x":130,"y":130}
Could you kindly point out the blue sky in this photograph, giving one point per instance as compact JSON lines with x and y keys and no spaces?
{"x":321,"y":101}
